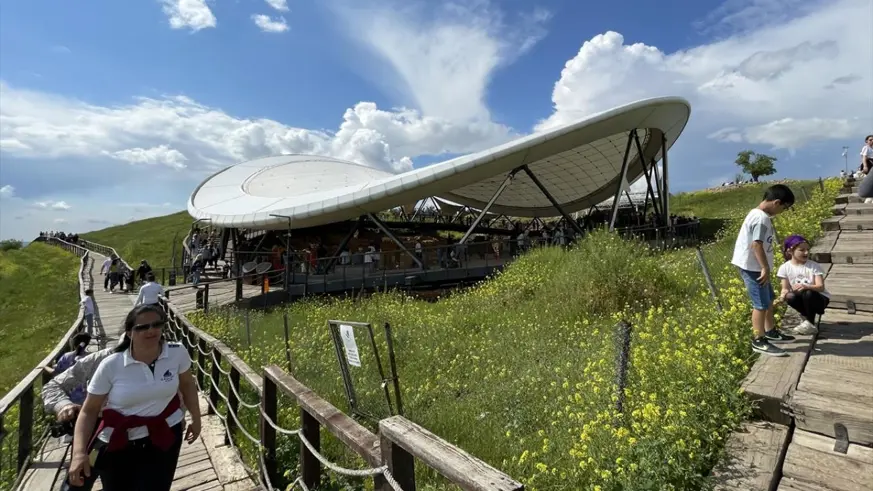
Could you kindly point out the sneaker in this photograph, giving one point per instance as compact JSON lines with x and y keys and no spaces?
{"x":764,"y":347}
{"x":805,"y":328}
{"x":776,"y":335}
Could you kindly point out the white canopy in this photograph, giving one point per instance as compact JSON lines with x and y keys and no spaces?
{"x":578,"y":163}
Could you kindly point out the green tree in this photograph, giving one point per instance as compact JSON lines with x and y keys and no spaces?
{"x":10,"y":245}
{"x":756,"y":164}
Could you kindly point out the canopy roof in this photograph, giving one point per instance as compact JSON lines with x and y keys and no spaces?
{"x":578,"y":163}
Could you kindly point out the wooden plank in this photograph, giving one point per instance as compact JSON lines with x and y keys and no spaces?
{"x":754,"y":455}
{"x":837,"y":384}
{"x":456,"y":465}
{"x":821,"y":251}
{"x":811,"y":459}
{"x":831,"y":223}
{"x":857,"y":209}
{"x":771,"y":379}
{"x":359,"y":439}
{"x":856,"y":222}
{"x":45,"y":471}
{"x":817,"y":414}
{"x":789,"y":484}
{"x":848,"y":198}
{"x":203,"y":477}
{"x":851,"y":282}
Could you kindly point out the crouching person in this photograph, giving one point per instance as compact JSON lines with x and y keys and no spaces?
{"x":63,"y":396}
{"x":137,"y":444}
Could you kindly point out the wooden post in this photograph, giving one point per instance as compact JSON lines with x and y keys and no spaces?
{"x":239,"y":288}
{"x":216,"y":381}
{"x":400,"y":464}
{"x":310,"y":467}
{"x":201,"y":360}
{"x":232,"y":402}
{"x":206,"y":298}
{"x":25,"y":426}
{"x":287,"y":340}
{"x":268,"y":433}
{"x":2,"y":438}
{"x":248,"y":329}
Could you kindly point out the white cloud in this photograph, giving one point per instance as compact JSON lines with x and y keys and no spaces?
{"x":762,"y":86}
{"x":7,"y":191}
{"x":280,"y":5}
{"x":192,"y":14}
{"x":177,"y":131}
{"x":268,"y":24}
{"x":443,"y":57}
{"x":52,"y":205}
{"x":162,"y":154}
{"x":60,"y":220}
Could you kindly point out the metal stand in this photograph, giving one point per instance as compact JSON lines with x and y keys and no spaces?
{"x":552,"y":199}
{"x":488,"y":206}
{"x":622,"y":179}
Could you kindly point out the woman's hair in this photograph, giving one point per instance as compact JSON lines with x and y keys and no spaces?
{"x":130,"y":321}
{"x":791,"y":242}
{"x":868,"y":137}
{"x":82,"y":337}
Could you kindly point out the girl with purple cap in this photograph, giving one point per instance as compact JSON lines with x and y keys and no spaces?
{"x":802,"y":283}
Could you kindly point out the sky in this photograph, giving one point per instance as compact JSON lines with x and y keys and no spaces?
{"x":114,"y":111}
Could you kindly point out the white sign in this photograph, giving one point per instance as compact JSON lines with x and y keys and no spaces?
{"x":347,"y":333}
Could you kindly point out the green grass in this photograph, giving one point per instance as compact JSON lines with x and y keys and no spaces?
{"x":150,"y":239}
{"x":520,"y":370}
{"x":39,"y":298}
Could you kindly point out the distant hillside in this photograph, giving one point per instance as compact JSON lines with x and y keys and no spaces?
{"x":152,"y":239}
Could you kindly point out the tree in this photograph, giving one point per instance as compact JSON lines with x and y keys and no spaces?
{"x":756,"y":164}
{"x":10,"y":245}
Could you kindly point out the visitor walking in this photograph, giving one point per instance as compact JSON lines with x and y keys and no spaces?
{"x":88,"y":311}
{"x":105,"y":269}
{"x":138,"y":442}
{"x":143,"y":269}
{"x":150,"y":291}
{"x":803,"y":285}
{"x":753,"y":256}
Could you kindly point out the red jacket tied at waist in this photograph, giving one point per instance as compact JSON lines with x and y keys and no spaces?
{"x":159,"y":431}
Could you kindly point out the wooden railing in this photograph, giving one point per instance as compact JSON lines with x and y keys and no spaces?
{"x":391,"y":454}
{"x":103,"y":250}
{"x":30,"y":415}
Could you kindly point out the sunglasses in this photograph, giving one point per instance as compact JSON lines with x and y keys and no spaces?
{"x":146,"y":327}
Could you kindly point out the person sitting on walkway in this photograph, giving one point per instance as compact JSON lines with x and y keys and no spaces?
{"x":78,"y":345}
{"x":803,"y":285}
{"x":138,"y":442}
{"x":150,"y":291}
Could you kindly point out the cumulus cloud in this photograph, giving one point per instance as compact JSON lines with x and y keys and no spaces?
{"x":267,"y":24}
{"x":52,"y":205}
{"x":760,"y":87}
{"x":7,"y":191}
{"x":280,"y":5}
{"x":191,"y":14}
{"x":160,"y":155}
{"x":60,"y":221}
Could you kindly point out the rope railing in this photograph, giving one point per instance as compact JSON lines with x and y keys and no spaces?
{"x":30,"y":415}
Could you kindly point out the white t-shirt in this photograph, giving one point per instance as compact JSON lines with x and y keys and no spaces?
{"x":801,"y":274}
{"x":757,"y":226}
{"x":135,"y":391}
{"x":107,"y":263}
{"x":148,"y":293}
{"x":88,"y":303}
{"x":867,"y":152}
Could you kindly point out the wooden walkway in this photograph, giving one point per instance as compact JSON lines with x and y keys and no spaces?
{"x":206,"y":465}
{"x":825,"y":385}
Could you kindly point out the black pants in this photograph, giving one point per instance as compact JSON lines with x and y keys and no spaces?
{"x":106,"y":281}
{"x":140,"y":466}
{"x":89,"y":480}
{"x":808,"y":303}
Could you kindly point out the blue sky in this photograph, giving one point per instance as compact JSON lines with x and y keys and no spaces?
{"x":112,"y":111}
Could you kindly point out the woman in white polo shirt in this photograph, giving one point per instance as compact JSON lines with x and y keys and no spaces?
{"x":140,"y":436}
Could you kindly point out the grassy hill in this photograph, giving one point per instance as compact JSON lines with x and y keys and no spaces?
{"x":39,"y":295}
{"x":152,"y":239}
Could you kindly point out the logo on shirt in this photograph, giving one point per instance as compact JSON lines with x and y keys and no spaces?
{"x":168,"y":376}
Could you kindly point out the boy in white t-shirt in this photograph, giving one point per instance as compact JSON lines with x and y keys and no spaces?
{"x":88,"y":311}
{"x":802,"y":283}
{"x":753,"y":256}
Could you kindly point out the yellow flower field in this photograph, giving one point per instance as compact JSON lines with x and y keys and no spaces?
{"x":520,"y":370}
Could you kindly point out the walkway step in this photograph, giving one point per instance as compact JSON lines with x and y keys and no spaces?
{"x":771,"y":380}
{"x":843,"y":247}
{"x":829,"y":391}
{"x":755,"y":453}
{"x":848,"y":222}
{"x":812,"y":465}
{"x":853,"y":209}
{"x":848,"y":198}
{"x":850,"y":282}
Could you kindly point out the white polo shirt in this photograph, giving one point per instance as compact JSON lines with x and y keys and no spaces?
{"x":135,"y":391}
{"x":149,"y":293}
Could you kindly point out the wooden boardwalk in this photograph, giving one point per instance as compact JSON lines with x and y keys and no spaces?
{"x":206,"y":465}
{"x":825,"y":385}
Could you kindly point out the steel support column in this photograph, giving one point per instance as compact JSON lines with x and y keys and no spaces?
{"x":488,"y":206}
{"x":391,"y":236}
{"x":552,"y":199}
{"x":622,"y":178}
{"x":343,"y":243}
{"x":666,"y":195}
{"x":648,"y":175}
